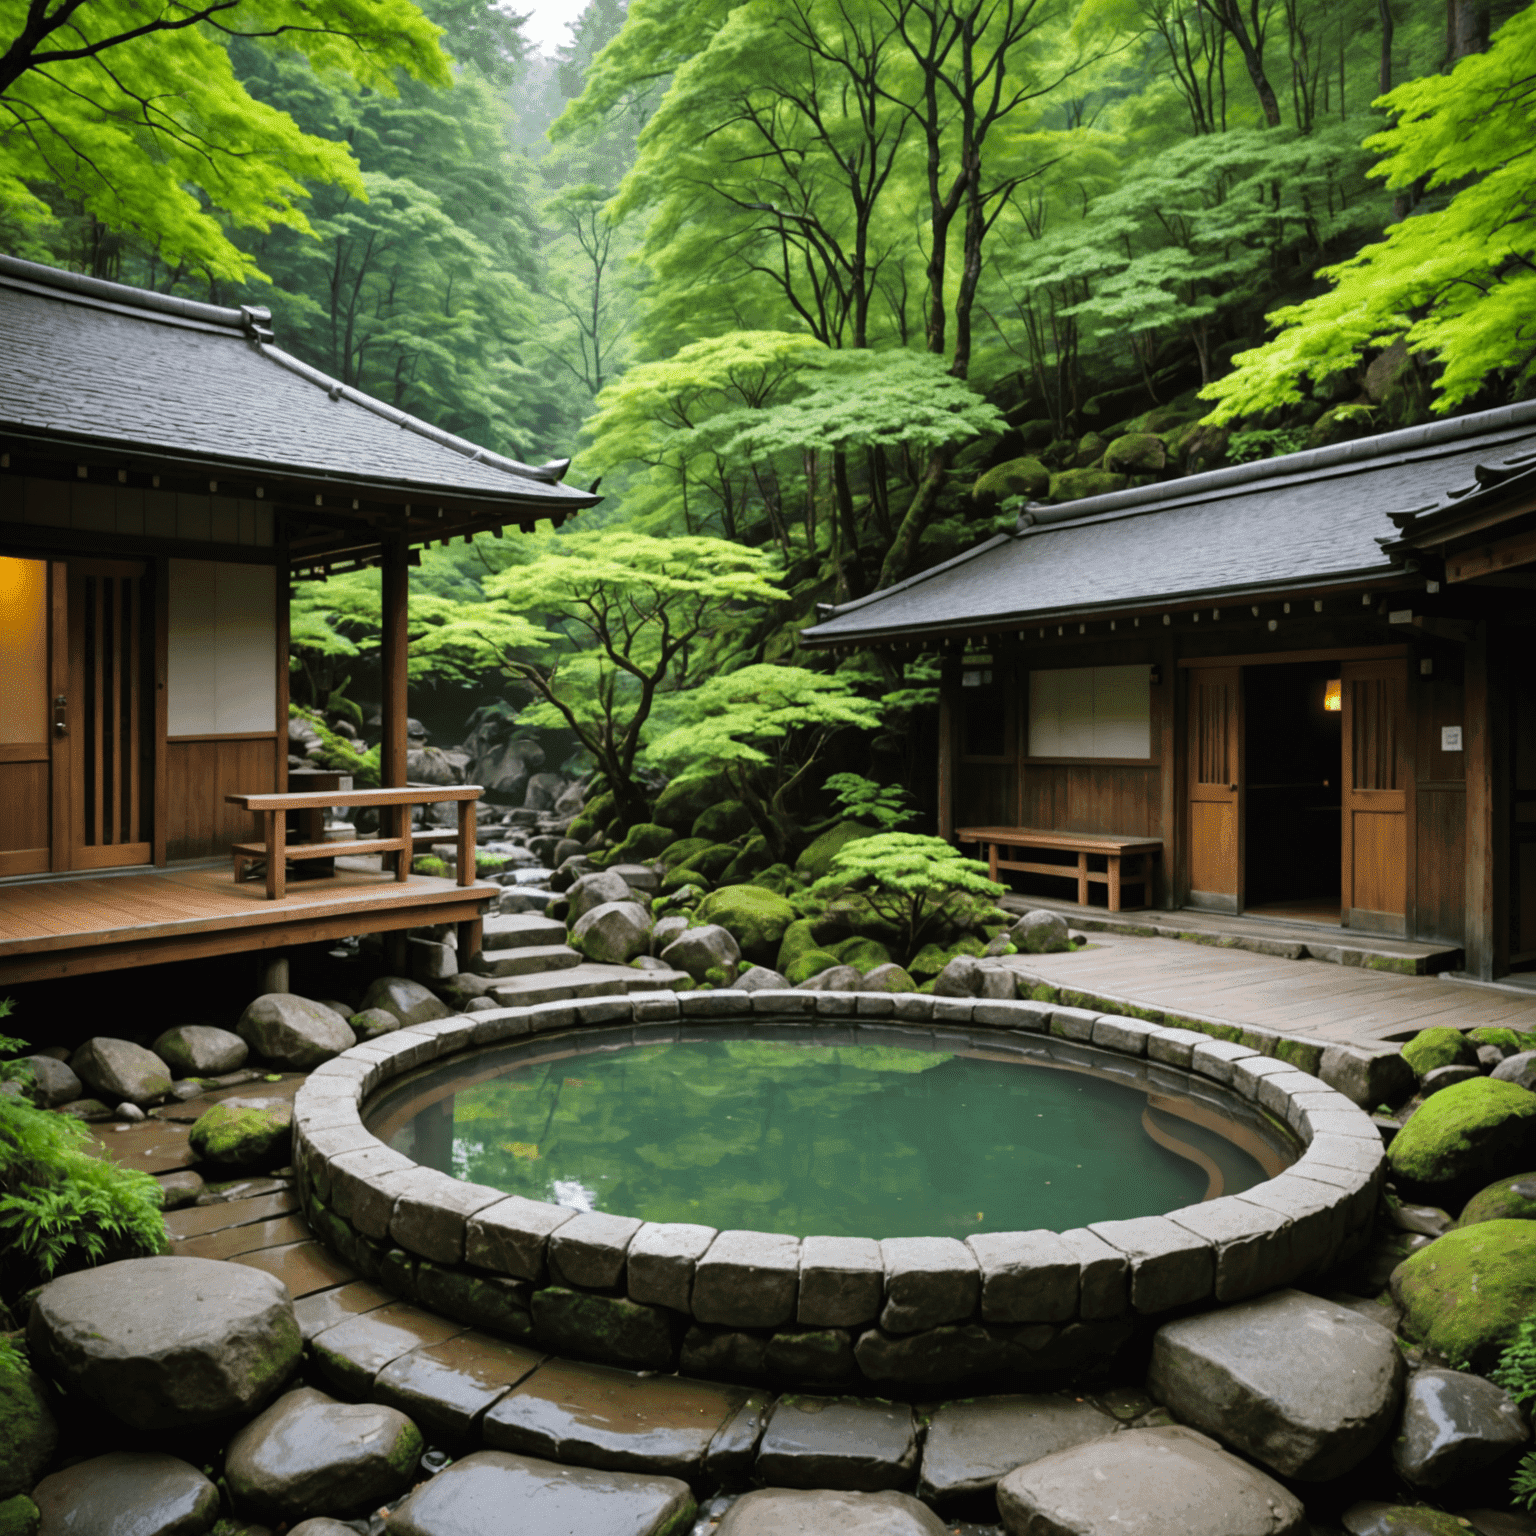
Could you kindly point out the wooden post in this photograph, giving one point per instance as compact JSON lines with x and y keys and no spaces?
{"x":396,"y":953}
{"x":396,"y":584}
{"x":949,"y":678}
{"x":273,"y":975}
{"x":1166,"y":714}
{"x":277,"y":854}
{"x":1485,"y":748}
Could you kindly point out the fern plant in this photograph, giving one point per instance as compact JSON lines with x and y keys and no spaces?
{"x":60,"y":1207}
{"x":1516,"y":1373}
{"x":865,"y":800}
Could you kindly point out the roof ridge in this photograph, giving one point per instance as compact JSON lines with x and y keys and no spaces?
{"x":1401,"y":439}
{"x":551,"y":473}
{"x":77,"y":283}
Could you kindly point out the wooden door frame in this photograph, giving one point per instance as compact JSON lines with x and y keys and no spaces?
{"x":1237,"y":771}
{"x":61,"y":828}
{"x":1404,"y":797}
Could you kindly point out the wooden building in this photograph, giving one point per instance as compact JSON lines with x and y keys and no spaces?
{"x":166,"y":471}
{"x":1308,"y":683}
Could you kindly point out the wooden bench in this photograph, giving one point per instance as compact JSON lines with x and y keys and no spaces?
{"x":1112,"y":849}
{"x":276,"y":850}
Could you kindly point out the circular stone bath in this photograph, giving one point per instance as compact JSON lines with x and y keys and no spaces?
{"x":802,"y":1130}
{"x":1185,"y":1197}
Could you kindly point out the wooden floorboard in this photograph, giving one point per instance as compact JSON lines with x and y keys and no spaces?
{"x":1296,"y":996}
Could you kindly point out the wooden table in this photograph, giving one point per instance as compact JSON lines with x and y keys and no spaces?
{"x":1085,"y":845}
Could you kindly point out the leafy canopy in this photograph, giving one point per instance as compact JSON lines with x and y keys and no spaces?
{"x":139,"y":113}
{"x":763,"y":728}
{"x":1457,"y":281}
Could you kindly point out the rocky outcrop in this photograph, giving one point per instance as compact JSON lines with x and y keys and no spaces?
{"x":293,"y":1032}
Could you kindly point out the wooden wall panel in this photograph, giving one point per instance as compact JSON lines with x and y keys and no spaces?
{"x":1442,"y":864}
{"x":1093,"y":797}
{"x":199,"y":775}
{"x":1379,"y":860}
{"x":985,"y":794}
{"x":23,"y":818}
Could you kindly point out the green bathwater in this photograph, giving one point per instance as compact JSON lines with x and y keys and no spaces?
{"x":865,"y":1141}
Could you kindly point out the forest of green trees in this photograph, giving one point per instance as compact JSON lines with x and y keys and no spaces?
{"x":836,"y":281}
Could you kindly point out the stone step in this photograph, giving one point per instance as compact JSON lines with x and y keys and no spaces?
{"x":586,"y":980}
{"x":521,"y":930}
{"x":528,"y":961}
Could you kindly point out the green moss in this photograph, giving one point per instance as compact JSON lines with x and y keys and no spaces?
{"x":799,"y":939}
{"x":495,"y":1303}
{"x":755,"y":918}
{"x":1441,"y":1047}
{"x":1399,"y":965}
{"x":778,"y":878}
{"x":1018,"y":477}
{"x":1074,"y":484}
{"x":722,"y":821}
{"x":682,"y":850}
{"x":1041,"y":993}
{"x":753,"y":857}
{"x":812,"y":963}
{"x":864,"y":953}
{"x":642,"y":843}
{"x":685,"y":799}
{"x":241,"y":1136}
{"x":1506,"y":1199}
{"x":1506,"y":1039}
{"x":1303,"y":1054}
{"x":489,"y":863}
{"x":27,"y":1429}
{"x":1469,"y":1131}
{"x":607,"y":1328}
{"x":405,"y":1453}
{"x":19,"y":1516}
{"x":816,"y":861}
{"x":931,"y":958}
{"x":682,"y":1522}
{"x":429,"y":864}
{"x":583,"y":829}
{"x":1465,"y":1294}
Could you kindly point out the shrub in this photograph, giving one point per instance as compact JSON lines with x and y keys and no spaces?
{"x":62,"y":1209}
{"x":1516,"y":1373}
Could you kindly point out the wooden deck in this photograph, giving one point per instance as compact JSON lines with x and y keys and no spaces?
{"x":75,"y":924}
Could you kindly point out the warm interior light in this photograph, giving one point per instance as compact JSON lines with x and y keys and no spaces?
{"x":1333,"y":695}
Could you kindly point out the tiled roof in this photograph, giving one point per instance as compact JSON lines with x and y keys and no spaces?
{"x":1302,"y":520}
{"x":90,"y":360}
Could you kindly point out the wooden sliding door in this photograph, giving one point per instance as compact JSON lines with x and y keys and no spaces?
{"x":1216,"y":788}
{"x":108,"y":713}
{"x":32,"y":652}
{"x":1375,"y":796}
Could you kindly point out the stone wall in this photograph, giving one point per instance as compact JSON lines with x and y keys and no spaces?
{"x":852,"y":1313}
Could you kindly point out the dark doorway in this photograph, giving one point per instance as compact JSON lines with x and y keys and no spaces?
{"x":1292,"y":762}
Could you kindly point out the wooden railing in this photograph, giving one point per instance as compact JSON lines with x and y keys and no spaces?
{"x":277,"y":850}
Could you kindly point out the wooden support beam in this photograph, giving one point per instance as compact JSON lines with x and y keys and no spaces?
{"x":394,"y":651}
{"x":1484,"y":741}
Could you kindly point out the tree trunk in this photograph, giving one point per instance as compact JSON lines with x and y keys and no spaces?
{"x":1388,"y":27}
{"x":919,"y":513}
{"x":1466,"y":28}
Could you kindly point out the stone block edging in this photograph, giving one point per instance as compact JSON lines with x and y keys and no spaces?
{"x":867,"y":1315}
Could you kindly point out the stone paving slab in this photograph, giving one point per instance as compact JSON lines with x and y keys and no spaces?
{"x":194,"y":1221}
{"x":598,"y":1416}
{"x":590,"y":979}
{"x":303,"y":1267}
{"x":152,"y":1146}
{"x":849,"y":1443}
{"x":248,"y":1238}
{"x":324,"y":1309}
{"x":447,"y":1387}
{"x":352,"y":1353}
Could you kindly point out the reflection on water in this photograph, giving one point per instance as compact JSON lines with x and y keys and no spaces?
{"x":857,"y":1140}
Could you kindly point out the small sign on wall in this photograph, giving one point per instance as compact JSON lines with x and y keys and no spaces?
{"x":1450,"y":738}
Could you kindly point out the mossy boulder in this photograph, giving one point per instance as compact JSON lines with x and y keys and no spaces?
{"x":1018,"y":477}
{"x":1464,"y":1136}
{"x":1441,"y":1047}
{"x":755,"y":918}
{"x":243,"y":1134}
{"x":779,"y":878}
{"x":1075,"y":484}
{"x":1089,"y":451}
{"x":722,"y":821}
{"x":602,"y":811}
{"x":799,"y":939}
{"x":1341,"y":424}
{"x":675,"y":854}
{"x":28,"y":1432}
{"x":685,"y":799}
{"x":888,"y":978}
{"x":1507,"y":1039}
{"x":864,"y":954}
{"x":816,"y":860}
{"x":19,"y":1516}
{"x":711,"y":863}
{"x":812,"y":963}
{"x":932,"y":958}
{"x":1506,"y":1199}
{"x":1137,"y":453}
{"x":644,"y":841}
{"x":1464,"y":1294}
{"x":753,"y":857}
